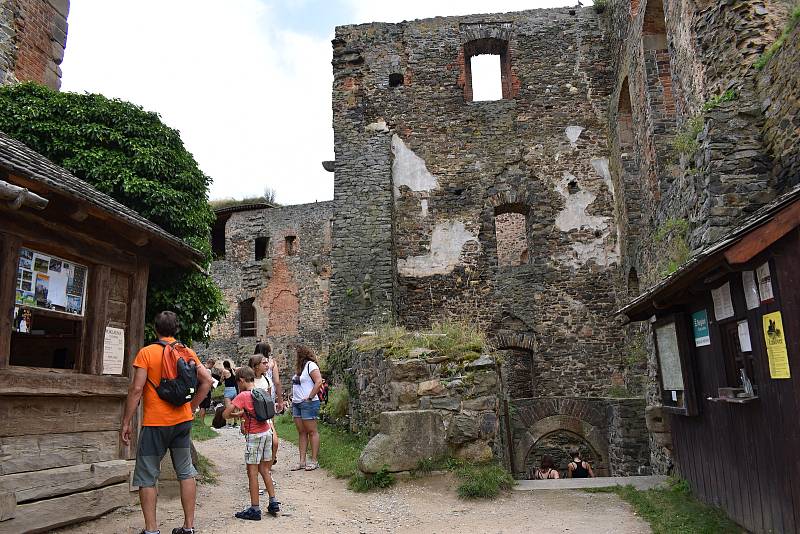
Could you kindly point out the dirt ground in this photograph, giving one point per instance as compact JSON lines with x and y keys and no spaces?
{"x":314,"y":501}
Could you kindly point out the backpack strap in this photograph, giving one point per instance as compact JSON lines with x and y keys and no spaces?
{"x":164,"y":345}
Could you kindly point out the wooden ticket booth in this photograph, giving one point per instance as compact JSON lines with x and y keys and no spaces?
{"x":74,"y":266}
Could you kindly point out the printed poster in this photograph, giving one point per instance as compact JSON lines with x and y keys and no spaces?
{"x":750,"y":290}
{"x":764,"y":282}
{"x":700,"y":328}
{"x":113,"y":351}
{"x":743,"y":329}
{"x":776,"y":346}
{"x":723,"y":305}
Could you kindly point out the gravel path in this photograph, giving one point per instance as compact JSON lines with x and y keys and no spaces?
{"x":316,"y":502}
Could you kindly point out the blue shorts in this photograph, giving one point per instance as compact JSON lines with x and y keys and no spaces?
{"x":308,"y":410}
{"x":229,"y":392}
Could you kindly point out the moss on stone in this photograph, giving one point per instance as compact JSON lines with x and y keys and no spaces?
{"x":454,"y":341}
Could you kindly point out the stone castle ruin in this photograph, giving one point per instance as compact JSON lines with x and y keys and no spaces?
{"x":624,"y":139}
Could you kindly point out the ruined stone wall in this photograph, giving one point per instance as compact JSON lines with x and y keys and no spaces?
{"x":289,"y":286}
{"x":456,"y":164}
{"x":33,"y":35}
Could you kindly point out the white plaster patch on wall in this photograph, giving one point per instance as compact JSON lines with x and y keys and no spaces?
{"x":378,"y":126}
{"x":601,"y":166}
{"x":447,"y":241}
{"x":597,"y":249}
{"x":409,"y":169}
{"x":574,"y":216}
{"x":424,"y":206}
{"x":572,"y":133}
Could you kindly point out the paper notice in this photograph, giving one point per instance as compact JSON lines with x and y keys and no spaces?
{"x":750,"y":290}
{"x":744,"y":336}
{"x":764,"y":282}
{"x":58,"y":288}
{"x":113,"y":351}
{"x":723,"y":305}
{"x":776,"y":346}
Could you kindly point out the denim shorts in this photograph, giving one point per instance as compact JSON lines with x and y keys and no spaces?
{"x":229,"y":392}
{"x":306,"y":410}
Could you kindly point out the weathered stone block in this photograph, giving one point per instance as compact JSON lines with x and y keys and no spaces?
{"x":475,"y":451}
{"x":481,"y":403}
{"x":402,"y":393}
{"x":446,"y":403}
{"x":411,"y":370}
{"x":430,"y":387}
{"x":405,"y":438}
{"x":656,"y":419}
{"x":462,"y":429}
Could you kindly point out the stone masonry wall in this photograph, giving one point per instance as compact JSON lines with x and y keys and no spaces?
{"x":428,"y":205}
{"x":33,"y":35}
{"x":290,"y":287}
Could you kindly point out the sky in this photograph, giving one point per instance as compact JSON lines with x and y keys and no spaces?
{"x":246,"y":82}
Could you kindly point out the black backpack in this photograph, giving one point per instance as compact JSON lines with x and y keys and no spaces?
{"x":178,"y":374}
{"x":263,"y":405}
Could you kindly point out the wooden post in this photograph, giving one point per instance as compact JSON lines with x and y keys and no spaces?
{"x":133,"y":342}
{"x":96,"y":319}
{"x":9,"y":252}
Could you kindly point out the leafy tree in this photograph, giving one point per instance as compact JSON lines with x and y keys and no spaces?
{"x":129,"y":154}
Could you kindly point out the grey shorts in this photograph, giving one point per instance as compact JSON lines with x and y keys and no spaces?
{"x":154,"y":441}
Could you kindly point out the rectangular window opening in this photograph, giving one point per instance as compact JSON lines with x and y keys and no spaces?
{"x":290,"y":245}
{"x":486,"y":77}
{"x":262,"y":248}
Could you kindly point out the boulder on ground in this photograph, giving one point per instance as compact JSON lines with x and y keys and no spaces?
{"x":405,"y":438}
{"x":476,"y":451}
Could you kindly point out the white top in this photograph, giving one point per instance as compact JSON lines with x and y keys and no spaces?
{"x":265,"y":382}
{"x":301,"y":391}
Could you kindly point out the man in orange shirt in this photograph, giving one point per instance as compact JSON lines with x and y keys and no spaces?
{"x":164,"y":426}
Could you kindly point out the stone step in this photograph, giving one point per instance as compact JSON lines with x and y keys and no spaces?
{"x":638,"y":482}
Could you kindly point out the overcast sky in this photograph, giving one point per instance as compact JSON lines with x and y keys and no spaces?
{"x":247,"y":82}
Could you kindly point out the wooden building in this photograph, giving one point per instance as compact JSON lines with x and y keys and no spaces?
{"x":726,"y":331}
{"x":74,"y":266}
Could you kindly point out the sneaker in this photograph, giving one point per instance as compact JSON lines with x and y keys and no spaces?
{"x":249,"y":513}
{"x":182,"y":530}
{"x":311,"y":466}
{"x":273,"y":508}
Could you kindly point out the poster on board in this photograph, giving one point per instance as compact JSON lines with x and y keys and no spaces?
{"x":764,"y":282}
{"x":50,"y":283}
{"x":750,"y":287}
{"x":700,"y":329}
{"x":113,"y":351}
{"x":723,"y":305}
{"x":775,"y":340}
{"x":669,"y":357}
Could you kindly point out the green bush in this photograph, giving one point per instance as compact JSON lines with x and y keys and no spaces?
{"x":672,"y":236}
{"x":338,"y":403}
{"x":203,"y":432}
{"x":206,"y":474}
{"x":362,"y":483}
{"x":600,"y":5}
{"x":685,"y":141}
{"x":483,"y":481}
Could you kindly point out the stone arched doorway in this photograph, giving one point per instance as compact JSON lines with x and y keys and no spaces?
{"x":557,"y":444}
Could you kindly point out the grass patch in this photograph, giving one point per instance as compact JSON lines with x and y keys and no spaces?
{"x":362,"y":483}
{"x":206,"y":474}
{"x":338,"y":403}
{"x":455,"y":340}
{"x":203,"y":432}
{"x":716,"y":101}
{"x":685,"y":141}
{"x":338,"y":450}
{"x":483,"y":481}
{"x":673,"y":510}
{"x":794,"y":20}
{"x":672,"y":238}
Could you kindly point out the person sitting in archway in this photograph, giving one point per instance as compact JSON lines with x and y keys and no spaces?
{"x":547,"y":470}
{"x":578,"y":468}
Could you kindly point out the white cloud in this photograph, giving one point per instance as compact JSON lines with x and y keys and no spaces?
{"x":251,"y":99}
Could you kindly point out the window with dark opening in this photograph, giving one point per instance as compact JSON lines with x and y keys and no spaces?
{"x":290,"y":245}
{"x":510,"y":225}
{"x":487,"y":70}
{"x":218,"y":239}
{"x":395,"y":79}
{"x":247,"y":318}
{"x":262,"y":248}
{"x":633,"y":283}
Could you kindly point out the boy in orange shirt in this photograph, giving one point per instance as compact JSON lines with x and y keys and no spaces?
{"x":258,"y":445}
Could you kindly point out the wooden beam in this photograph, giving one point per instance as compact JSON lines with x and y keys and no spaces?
{"x":8,"y":505}
{"x":51,"y":513}
{"x":45,"y":451}
{"x":97,"y":315}
{"x":47,"y":483}
{"x":58,"y":415}
{"x":9,"y":249}
{"x":79,"y":214}
{"x":755,"y":242}
{"x":19,"y":196}
{"x":47,"y":383}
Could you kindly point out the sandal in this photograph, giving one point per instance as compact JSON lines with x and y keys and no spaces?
{"x":298,"y":467}
{"x":312,"y":466}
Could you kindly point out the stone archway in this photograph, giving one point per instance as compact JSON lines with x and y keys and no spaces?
{"x":557,"y":444}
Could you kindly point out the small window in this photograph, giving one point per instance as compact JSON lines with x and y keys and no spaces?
{"x":395,"y":79}
{"x":48,"y":311}
{"x":291,"y":247}
{"x":247,"y":318}
{"x":510,"y":226}
{"x":486,"y":77}
{"x":487,"y":70}
{"x":262,"y":248}
{"x":218,"y":240}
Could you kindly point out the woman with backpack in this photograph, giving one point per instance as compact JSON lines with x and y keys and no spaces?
{"x":305,"y":405}
{"x":269,"y":381}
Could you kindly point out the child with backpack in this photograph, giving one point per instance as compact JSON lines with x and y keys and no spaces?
{"x":257,"y":429}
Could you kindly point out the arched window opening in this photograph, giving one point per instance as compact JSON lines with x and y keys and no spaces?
{"x":489,"y":76}
{"x":247,"y":318}
{"x":395,"y":79}
{"x":510,"y":226}
{"x":654,"y":30}
{"x":633,"y":283}
{"x":625,"y":118}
